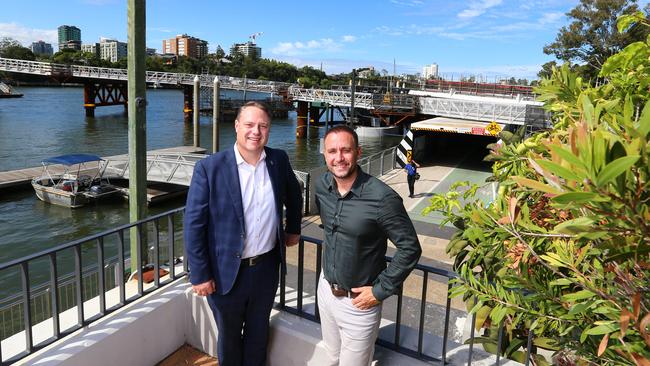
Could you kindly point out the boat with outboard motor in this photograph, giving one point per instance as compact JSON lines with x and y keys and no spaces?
{"x":81,"y":181}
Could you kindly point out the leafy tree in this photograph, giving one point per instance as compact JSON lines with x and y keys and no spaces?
{"x":592,"y":36}
{"x":563,"y":250}
{"x":10,"y":48}
{"x":220,"y":53}
{"x":6,"y":42}
{"x":547,"y":70}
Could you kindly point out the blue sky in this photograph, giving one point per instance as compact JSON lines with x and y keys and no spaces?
{"x":489,"y":38}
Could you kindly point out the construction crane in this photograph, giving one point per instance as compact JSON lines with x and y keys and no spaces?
{"x":254,"y":35}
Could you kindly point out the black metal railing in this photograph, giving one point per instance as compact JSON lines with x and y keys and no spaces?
{"x":149,"y":230}
{"x":146,"y":231}
{"x":395,"y":343}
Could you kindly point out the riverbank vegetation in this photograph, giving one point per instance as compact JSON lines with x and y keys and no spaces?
{"x":563,"y":250}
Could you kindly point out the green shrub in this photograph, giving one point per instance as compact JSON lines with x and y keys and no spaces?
{"x":564,"y":249}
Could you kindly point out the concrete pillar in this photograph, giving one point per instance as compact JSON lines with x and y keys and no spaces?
{"x":301,"y":128}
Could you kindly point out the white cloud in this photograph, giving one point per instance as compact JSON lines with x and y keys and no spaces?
{"x":160,"y":29}
{"x":349,"y":38}
{"x":549,"y":18}
{"x":409,"y":3}
{"x":26,"y":35}
{"x":308,"y":47}
{"x":477,"y":8}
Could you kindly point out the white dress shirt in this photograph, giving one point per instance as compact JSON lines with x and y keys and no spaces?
{"x":258,"y":202}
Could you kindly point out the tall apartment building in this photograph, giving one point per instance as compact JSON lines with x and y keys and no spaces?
{"x":69,"y":37}
{"x":91,"y":48}
{"x":41,"y":48}
{"x":184,"y":45}
{"x":430,"y":71}
{"x":249,"y":49}
{"x":112,"y":50}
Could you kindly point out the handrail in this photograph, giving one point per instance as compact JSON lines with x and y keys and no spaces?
{"x":395,"y":343}
{"x":82,"y":319}
{"x":77,"y":242}
{"x":421,"y":270}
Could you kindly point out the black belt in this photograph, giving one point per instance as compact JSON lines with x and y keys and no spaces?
{"x":339,"y":291}
{"x":251,"y":261}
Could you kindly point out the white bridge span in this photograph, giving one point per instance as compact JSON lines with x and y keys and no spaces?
{"x":153,"y":77}
{"x":509,"y":111}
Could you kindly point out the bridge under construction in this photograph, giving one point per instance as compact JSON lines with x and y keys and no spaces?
{"x":107,"y":86}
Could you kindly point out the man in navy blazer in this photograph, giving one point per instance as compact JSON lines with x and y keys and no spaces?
{"x":234,"y":234}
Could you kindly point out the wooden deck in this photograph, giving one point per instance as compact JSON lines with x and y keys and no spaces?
{"x":21,"y":177}
{"x":188,"y":356}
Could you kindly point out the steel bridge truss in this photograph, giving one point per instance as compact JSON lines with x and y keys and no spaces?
{"x":487,"y":111}
{"x":154,"y":77}
{"x":339,"y":98}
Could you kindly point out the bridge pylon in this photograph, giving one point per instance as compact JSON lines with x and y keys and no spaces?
{"x":188,"y":103}
{"x":101,"y":93}
{"x":301,"y":127}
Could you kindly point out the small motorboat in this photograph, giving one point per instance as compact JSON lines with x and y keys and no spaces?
{"x":82,"y":181}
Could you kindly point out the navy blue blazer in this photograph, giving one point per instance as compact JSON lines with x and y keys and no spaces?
{"x":214,"y":228}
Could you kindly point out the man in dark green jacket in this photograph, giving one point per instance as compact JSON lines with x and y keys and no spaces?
{"x":359,"y":214}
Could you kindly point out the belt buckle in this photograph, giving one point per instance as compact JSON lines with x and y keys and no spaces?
{"x":252,"y":260}
{"x":338,"y":291}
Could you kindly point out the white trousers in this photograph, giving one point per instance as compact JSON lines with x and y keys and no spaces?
{"x":349,"y":334}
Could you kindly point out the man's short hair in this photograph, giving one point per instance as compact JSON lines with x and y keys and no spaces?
{"x":257,"y":104}
{"x":345,"y":129}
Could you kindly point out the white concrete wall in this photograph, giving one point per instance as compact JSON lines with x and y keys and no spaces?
{"x":145,"y":332}
{"x":141,"y":333}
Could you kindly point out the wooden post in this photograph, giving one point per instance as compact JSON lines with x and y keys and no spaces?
{"x":137,"y":109}
{"x":197,"y":92}
{"x":216,"y":90}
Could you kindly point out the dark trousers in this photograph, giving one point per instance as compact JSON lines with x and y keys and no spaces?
{"x":410,"y":179}
{"x":242,"y":315}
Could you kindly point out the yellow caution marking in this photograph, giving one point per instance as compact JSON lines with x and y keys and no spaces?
{"x":493,"y":128}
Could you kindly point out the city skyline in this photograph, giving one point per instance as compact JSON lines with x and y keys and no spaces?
{"x":492,"y":38}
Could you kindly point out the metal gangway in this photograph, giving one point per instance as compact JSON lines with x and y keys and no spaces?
{"x":4,"y":88}
{"x":174,"y":168}
{"x":153,"y":77}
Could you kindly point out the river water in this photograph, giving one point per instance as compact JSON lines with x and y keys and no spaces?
{"x":50,"y":121}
